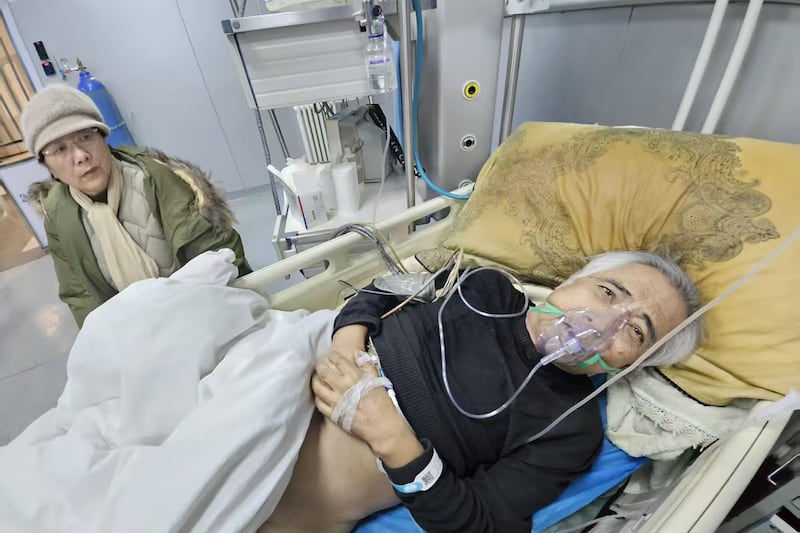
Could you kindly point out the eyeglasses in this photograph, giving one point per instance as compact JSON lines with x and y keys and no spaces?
{"x":61,"y":149}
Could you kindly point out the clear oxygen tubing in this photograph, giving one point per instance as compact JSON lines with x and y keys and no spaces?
{"x":697,"y":314}
{"x":457,"y":289}
{"x":545,"y":359}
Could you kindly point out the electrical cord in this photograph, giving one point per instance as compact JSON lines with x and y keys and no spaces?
{"x":393,"y":263}
{"x":383,"y":174}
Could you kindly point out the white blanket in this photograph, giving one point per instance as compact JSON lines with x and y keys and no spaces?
{"x":184,"y":410}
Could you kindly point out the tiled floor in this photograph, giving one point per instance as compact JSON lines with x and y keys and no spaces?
{"x":37,"y":330}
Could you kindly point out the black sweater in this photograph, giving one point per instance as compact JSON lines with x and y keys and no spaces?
{"x":490,"y":482}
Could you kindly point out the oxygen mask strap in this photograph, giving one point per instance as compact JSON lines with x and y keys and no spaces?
{"x":597,"y":358}
{"x":546,"y":309}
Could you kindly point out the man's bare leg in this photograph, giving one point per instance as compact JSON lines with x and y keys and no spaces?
{"x":335,"y":482}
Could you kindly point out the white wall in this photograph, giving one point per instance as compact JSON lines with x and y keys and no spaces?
{"x":169,"y":67}
{"x":169,"y":70}
{"x":624,"y":66}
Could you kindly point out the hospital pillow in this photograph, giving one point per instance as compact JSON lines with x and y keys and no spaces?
{"x":553,"y":194}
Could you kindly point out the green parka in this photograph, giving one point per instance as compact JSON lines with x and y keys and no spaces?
{"x":194,"y":216}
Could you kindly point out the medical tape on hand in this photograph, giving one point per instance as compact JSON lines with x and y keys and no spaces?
{"x":345,"y":410}
{"x":364,"y":358}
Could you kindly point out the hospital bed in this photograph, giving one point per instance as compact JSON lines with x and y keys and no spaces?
{"x":703,"y":495}
{"x":708,"y":489}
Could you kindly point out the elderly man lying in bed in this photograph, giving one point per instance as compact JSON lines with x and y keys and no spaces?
{"x":453,"y":448}
{"x":188,"y":406}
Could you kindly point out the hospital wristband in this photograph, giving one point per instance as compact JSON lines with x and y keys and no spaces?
{"x":425,"y":479}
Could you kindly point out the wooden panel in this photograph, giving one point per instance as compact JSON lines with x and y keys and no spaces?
{"x":15,"y":91}
{"x":12,"y":149}
{"x":10,"y":112}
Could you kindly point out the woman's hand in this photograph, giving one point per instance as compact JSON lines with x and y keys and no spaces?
{"x":209,"y":268}
{"x":377,"y":422}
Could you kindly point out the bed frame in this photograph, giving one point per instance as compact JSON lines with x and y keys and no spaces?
{"x":705,"y":492}
{"x":345,"y":259}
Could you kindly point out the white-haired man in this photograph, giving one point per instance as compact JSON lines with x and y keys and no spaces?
{"x":453,"y":472}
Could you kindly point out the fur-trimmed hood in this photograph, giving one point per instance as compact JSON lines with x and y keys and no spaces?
{"x":37,"y":192}
{"x":209,"y":200}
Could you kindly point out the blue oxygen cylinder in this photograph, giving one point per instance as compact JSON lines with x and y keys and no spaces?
{"x":111,"y":116}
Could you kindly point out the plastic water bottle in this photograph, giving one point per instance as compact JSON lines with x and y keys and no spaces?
{"x":380,"y":64}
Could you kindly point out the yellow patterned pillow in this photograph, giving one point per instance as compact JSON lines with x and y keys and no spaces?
{"x":554,"y":194}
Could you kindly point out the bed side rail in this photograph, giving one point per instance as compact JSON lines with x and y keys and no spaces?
{"x":707,"y":490}
{"x":323,"y":290}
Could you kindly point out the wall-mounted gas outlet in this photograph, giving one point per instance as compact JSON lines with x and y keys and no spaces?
{"x":471,"y":89}
{"x":468,"y":142}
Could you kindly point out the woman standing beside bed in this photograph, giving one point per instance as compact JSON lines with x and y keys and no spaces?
{"x":452,"y":472}
{"x":115,"y":216}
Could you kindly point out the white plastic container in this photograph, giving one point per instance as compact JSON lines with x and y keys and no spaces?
{"x":303,"y":193}
{"x":348,"y":191}
{"x":325,"y":179}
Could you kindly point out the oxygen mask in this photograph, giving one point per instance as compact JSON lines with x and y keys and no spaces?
{"x":577,"y":337}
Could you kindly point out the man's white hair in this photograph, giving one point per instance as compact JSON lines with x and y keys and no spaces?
{"x":686,"y":341}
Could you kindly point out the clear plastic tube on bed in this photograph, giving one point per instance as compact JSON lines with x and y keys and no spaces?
{"x":457,"y":290}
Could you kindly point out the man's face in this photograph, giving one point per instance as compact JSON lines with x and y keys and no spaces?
{"x":81,"y":160}
{"x":655,"y":307}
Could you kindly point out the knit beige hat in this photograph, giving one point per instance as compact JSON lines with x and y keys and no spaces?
{"x":55,"y":111}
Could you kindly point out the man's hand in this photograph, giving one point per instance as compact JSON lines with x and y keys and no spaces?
{"x":376,"y":420}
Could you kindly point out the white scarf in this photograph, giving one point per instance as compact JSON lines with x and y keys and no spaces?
{"x":127,"y":262}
